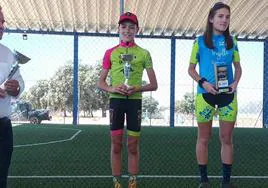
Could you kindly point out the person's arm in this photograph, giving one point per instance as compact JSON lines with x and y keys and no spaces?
{"x":237,"y":76}
{"x":148,"y":65}
{"x":102,"y":84}
{"x":206,"y":85}
{"x":192,"y":72}
{"x":152,"y":85}
{"x":237,"y":67}
{"x":238,"y":71}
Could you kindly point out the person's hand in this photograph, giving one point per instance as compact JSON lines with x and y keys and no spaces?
{"x":12,"y":87}
{"x":132,"y":89}
{"x":209,"y":88}
{"x":121,"y":89}
{"x":2,"y":93}
{"x":233,"y":87}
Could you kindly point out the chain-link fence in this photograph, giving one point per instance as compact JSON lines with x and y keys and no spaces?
{"x":51,"y":152}
{"x":49,"y":89}
{"x":49,"y":80}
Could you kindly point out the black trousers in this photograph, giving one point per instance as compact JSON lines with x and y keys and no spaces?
{"x":6,"y":149}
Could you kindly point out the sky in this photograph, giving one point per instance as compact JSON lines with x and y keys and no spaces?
{"x":49,"y":52}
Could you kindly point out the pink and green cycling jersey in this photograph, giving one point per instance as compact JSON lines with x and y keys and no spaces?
{"x":206,"y":58}
{"x":141,"y":60}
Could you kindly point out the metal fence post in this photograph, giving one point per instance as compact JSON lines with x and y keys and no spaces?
{"x":265,"y":85}
{"x":75,"y":80}
{"x":172,"y":81}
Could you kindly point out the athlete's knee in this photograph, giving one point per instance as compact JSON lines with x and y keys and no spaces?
{"x":116,"y":148}
{"x":117,"y":145}
{"x":226,"y":139}
{"x":203,"y":140}
{"x":132,"y":146}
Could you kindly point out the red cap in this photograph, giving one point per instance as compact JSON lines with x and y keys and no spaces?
{"x":128,"y":16}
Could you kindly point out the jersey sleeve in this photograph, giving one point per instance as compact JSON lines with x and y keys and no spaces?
{"x":195,"y":53}
{"x":236,"y":56}
{"x":148,"y":63}
{"x":106,"y":62}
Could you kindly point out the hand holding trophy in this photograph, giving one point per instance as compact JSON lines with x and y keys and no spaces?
{"x":221,"y":77}
{"x":20,"y":59}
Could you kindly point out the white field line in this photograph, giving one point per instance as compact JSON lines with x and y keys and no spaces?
{"x":125,"y":176}
{"x":50,"y":142}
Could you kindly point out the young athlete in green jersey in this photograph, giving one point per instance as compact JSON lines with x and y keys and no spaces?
{"x":126,"y":61}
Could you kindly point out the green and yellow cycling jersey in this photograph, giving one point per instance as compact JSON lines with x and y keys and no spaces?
{"x":113,"y":60}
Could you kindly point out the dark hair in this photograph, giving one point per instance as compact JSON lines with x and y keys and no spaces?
{"x":209,"y":28}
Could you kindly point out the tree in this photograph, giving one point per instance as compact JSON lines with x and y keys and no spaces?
{"x":57,"y":94}
{"x":92,"y":98}
{"x":102,"y":96}
{"x":38,"y":94}
{"x":186,"y":105}
{"x":149,"y":106}
{"x":60,"y":92}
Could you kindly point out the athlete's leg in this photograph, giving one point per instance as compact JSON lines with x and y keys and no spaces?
{"x":133,"y":131}
{"x":117,"y":130}
{"x":226,"y":133}
{"x":116,"y":154}
{"x":204,"y":114}
{"x":227,"y":116}
{"x":204,"y":134}
{"x":133,"y":154}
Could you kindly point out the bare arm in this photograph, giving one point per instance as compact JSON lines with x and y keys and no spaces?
{"x":238,"y":71}
{"x":237,"y":75}
{"x":102,"y":84}
{"x":152,"y":86}
{"x":192,"y":72}
{"x":206,"y":85}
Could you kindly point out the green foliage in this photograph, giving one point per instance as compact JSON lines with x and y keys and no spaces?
{"x":57,"y":94}
{"x":38,"y":94}
{"x":149,"y":106}
{"x":186,"y":105}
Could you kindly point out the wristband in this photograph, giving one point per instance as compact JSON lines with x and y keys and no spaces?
{"x":201,"y":81}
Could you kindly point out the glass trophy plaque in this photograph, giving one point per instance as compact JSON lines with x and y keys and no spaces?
{"x":127,"y":58}
{"x":221,"y":78}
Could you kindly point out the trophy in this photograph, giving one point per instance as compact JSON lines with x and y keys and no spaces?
{"x":221,"y":77}
{"x":20,"y":59}
{"x":127,"y":58}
